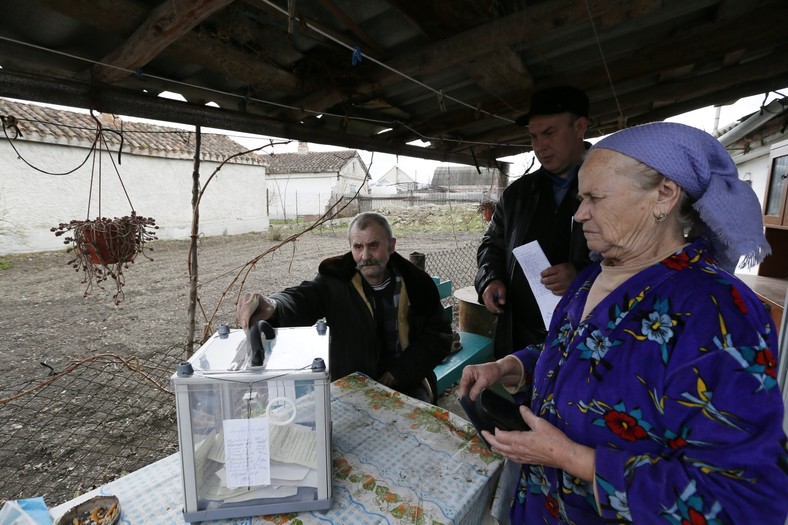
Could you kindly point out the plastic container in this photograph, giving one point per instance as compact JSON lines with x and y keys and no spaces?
{"x":255,"y":440}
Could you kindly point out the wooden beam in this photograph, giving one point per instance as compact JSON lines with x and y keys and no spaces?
{"x":638,"y":67}
{"x":122,"y":17}
{"x":476,"y":43}
{"x":166,"y":24}
{"x":353,"y":27}
{"x":109,"y":99}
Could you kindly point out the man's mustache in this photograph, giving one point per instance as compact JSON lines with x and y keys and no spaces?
{"x":368,"y":262}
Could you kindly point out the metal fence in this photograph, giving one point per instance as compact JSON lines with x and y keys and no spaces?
{"x":367,"y":203}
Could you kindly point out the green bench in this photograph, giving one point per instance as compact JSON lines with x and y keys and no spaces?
{"x":475,"y":348}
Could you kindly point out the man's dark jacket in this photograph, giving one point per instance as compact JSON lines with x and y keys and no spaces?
{"x":336,"y":294}
{"x":525,"y":212}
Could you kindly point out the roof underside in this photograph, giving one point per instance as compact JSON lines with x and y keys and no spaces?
{"x":380,"y":74}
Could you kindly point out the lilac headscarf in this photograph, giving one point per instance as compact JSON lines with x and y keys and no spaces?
{"x":700,"y":165}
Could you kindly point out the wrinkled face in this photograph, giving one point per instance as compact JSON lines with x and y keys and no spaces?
{"x":371,"y":250}
{"x":617,"y":216}
{"x":557,"y":141}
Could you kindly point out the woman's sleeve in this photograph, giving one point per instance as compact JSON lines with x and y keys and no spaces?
{"x":724,"y":454}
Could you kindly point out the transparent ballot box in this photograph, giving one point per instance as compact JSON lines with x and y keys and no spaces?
{"x":255,"y":438}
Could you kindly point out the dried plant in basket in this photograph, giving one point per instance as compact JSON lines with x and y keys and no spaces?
{"x":103,"y":248}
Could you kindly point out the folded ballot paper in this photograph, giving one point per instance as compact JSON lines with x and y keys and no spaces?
{"x":533,"y":262}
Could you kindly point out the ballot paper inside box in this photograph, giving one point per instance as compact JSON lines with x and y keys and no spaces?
{"x":255,"y":440}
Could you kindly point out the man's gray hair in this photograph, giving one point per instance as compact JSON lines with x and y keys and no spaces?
{"x":364,"y":219}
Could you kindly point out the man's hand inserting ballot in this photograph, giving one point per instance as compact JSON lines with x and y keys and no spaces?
{"x":253,"y":307}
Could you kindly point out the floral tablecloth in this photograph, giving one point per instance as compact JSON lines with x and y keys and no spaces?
{"x":396,"y":460}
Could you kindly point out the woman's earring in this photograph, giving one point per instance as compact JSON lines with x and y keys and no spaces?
{"x":660,"y":217}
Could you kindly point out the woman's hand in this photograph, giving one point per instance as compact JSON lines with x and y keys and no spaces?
{"x":506,"y":370}
{"x":476,"y":377}
{"x":544,"y":445}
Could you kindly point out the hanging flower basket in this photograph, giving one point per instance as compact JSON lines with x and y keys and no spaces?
{"x":104,"y":247}
{"x":108,"y":241}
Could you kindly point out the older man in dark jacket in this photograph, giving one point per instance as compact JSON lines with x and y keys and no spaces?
{"x":384,"y":313}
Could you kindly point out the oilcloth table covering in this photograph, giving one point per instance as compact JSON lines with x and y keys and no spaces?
{"x":396,"y":460}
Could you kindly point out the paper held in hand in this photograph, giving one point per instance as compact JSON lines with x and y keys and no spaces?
{"x":533,"y":262}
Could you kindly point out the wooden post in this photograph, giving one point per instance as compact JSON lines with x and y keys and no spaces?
{"x":193,"y":273}
{"x":419,"y":259}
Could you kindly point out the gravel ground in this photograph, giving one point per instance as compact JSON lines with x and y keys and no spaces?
{"x":47,"y":326}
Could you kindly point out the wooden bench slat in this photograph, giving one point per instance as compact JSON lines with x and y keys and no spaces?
{"x":475,"y":349}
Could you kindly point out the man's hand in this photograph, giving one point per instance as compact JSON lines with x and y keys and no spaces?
{"x":253,"y":307}
{"x":558,"y":278}
{"x":494,"y":296}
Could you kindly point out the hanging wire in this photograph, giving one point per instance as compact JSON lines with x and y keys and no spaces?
{"x":621,"y":118}
{"x":90,"y":187}
{"x":117,"y":172}
{"x":58,"y":174}
{"x":353,"y":49}
{"x":246,"y":98}
{"x":193,"y":86}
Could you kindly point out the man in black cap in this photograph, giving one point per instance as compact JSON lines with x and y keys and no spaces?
{"x":537,"y":207}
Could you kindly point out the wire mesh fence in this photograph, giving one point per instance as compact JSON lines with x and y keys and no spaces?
{"x":100,"y":417}
{"x":457,"y":265}
{"x":91,"y":423}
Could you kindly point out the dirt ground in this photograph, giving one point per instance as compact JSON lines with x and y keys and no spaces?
{"x":47,"y":324}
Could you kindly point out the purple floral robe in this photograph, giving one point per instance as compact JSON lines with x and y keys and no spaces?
{"x":672,"y":380}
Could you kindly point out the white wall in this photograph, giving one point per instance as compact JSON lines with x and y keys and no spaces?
{"x":297,"y":194}
{"x":300,"y":194}
{"x":32,"y":202}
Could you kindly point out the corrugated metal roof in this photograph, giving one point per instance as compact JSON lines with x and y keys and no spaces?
{"x":463,"y":176}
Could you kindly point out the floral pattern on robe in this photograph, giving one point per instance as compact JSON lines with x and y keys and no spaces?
{"x":672,"y":380}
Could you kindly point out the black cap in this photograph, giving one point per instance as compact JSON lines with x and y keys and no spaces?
{"x":554,"y":100}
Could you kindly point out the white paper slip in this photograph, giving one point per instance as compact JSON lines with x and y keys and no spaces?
{"x":533,"y":261}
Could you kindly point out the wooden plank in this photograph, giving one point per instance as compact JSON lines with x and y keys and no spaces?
{"x":771,"y":291}
{"x":444,"y":289}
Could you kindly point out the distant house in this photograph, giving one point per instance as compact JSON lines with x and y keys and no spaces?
{"x":395,"y":180}
{"x":467,"y":179}
{"x":50,"y":173}
{"x":758,"y":144}
{"x":307,"y":183}
{"x":749,"y":142}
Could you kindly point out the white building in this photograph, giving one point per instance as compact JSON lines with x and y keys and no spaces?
{"x":753,"y":142}
{"x":51,"y":173}
{"x":394,"y":181}
{"x":305,"y":184}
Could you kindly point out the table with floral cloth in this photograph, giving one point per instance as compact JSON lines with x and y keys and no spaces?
{"x":395,"y":460}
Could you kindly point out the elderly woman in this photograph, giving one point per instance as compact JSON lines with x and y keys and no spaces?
{"x":653,"y":399}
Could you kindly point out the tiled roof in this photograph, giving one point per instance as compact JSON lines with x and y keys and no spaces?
{"x":59,"y":126}
{"x":309,"y":162}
